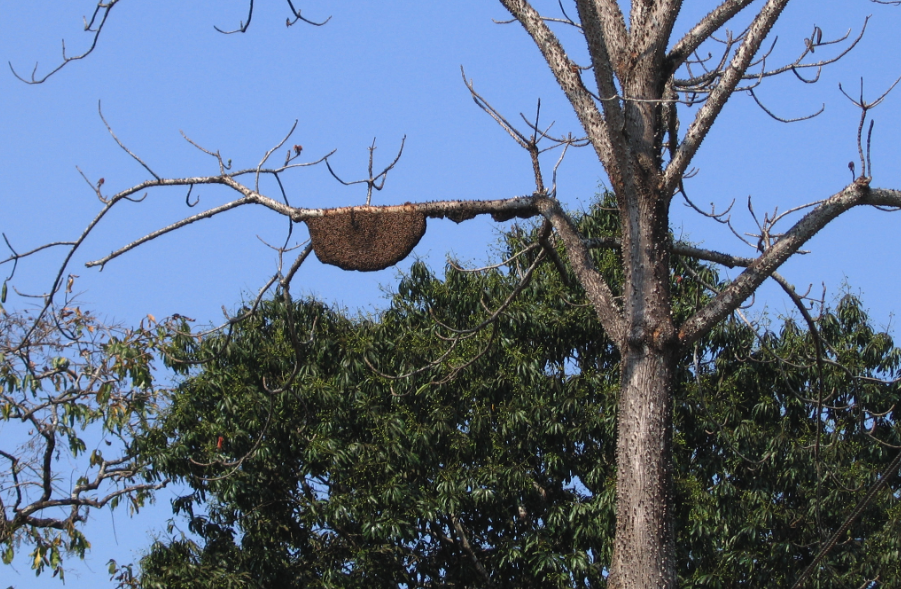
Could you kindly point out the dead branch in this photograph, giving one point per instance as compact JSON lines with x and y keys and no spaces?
{"x":376,"y":181}
{"x":791,"y":241}
{"x":244,"y":25}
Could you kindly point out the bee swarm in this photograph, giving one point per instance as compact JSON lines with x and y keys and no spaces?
{"x":365,"y":240}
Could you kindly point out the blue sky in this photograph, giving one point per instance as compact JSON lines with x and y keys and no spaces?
{"x":378,"y":70}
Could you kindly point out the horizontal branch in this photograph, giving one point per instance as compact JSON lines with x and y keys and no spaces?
{"x":727,"y":260}
{"x":523,"y":207}
{"x":680,"y":249}
{"x":455,"y":210}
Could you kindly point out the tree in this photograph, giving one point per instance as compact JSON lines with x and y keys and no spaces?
{"x":629,"y":96}
{"x":502,"y":475}
{"x":76,"y":388}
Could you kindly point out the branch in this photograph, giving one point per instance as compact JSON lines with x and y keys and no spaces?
{"x":105,"y":7}
{"x":568,"y":77}
{"x":596,"y":288}
{"x":602,"y":60}
{"x":747,"y":282}
{"x":455,"y":210}
{"x":464,"y":543}
{"x":650,"y":24}
{"x":607,"y":29}
{"x":243,"y":26}
{"x":376,"y":181}
{"x":168,"y":229}
{"x":783,"y":120}
{"x":679,"y":249}
{"x":101,"y":13}
{"x":704,"y":29}
{"x":708,"y":113}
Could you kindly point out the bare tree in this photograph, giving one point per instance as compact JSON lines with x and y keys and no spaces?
{"x":641,"y":79}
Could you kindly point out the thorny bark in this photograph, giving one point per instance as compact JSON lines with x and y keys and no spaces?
{"x":628,"y":139}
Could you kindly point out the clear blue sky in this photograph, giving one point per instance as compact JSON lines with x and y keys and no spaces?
{"x":384,"y":70}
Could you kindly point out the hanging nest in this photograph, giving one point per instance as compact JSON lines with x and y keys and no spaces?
{"x":365,"y":240}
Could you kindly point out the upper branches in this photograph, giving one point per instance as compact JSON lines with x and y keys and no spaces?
{"x":702,"y":31}
{"x":95,"y":24}
{"x":711,"y":109}
{"x":608,"y":147}
{"x":858,"y":193}
{"x":740,"y":62}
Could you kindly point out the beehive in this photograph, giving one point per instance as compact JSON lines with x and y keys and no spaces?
{"x":365,"y":240}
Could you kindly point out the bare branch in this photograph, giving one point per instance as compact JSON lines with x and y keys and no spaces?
{"x":506,"y":262}
{"x":865,"y":107}
{"x":15,"y":257}
{"x":169,"y":228}
{"x":704,"y":29}
{"x":748,"y":281}
{"x":705,"y":83}
{"x":531,"y":142}
{"x":809,"y":47}
{"x":243,"y":26}
{"x":568,"y":77}
{"x":708,"y":113}
{"x":286,"y":281}
{"x":376,"y":181}
{"x":780,"y":119}
{"x":122,"y":145}
{"x":102,"y":11}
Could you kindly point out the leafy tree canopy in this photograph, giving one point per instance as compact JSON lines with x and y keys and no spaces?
{"x":410,"y":449}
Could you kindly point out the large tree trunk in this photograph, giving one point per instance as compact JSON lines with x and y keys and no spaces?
{"x":643,"y":556}
{"x":644,"y":548}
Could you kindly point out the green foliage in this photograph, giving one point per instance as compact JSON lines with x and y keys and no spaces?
{"x":67,"y":381}
{"x":407,"y":450}
{"x":769,"y":468}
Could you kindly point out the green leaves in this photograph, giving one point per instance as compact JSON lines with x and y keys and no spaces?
{"x":64,"y":380}
{"x":375,"y":452}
